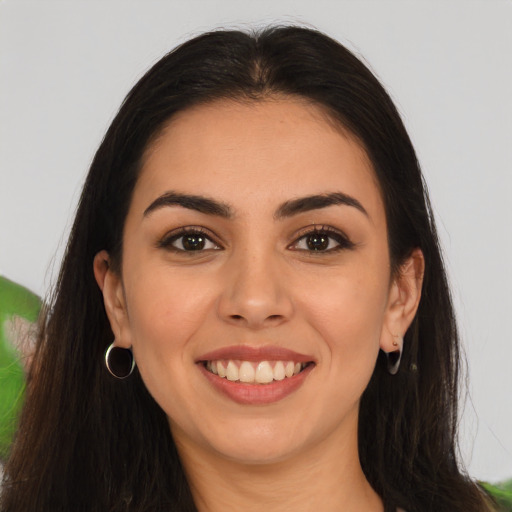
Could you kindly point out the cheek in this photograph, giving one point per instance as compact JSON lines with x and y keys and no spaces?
{"x":348,"y":311}
{"x":165,"y":310}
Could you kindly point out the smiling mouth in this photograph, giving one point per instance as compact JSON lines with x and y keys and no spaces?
{"x":254,"y":372}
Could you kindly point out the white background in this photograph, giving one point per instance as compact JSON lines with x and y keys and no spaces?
{"x":65,"y":66}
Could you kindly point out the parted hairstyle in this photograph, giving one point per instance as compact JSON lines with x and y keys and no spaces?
{"x":89,"y":442}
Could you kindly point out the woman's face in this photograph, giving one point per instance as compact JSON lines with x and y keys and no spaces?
{"x":255,"y":287}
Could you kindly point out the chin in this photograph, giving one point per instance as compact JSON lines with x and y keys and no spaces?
{"x":258,"y":451}
{"x":247,"y":441}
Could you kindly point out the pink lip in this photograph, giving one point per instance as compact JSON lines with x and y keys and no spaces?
{"x":256,"y":394}
{"x":246,"y":353}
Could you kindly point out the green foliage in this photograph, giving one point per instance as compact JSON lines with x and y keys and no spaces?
{"x":19,"y":309}
{"x":501,"y":493}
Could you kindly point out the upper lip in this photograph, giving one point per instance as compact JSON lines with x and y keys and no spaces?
{"x":248,"y":353}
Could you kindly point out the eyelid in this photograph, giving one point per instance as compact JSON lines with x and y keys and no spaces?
{"x":341,"y":238}
{"x":167,"y":240}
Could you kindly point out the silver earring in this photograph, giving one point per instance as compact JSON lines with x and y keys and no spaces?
{"x":119,"y":361}
{"x":395,"y":357}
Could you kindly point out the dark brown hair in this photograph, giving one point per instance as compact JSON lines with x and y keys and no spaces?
{"x":88,"y":442}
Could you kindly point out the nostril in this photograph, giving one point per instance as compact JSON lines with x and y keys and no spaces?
{"x":270,"y":318}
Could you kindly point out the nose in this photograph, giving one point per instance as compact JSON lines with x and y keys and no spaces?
{"x":255,"y":292}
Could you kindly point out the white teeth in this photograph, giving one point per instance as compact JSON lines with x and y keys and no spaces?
{"x":232,"y":371}
{"x":221,"y":370}
{"x":264,"y":373}
{"x":279,"y":373}
{"x":249,"y":372}
{"x":246,"y":372}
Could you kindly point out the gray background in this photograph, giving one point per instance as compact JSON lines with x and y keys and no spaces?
{"x":65,"y":66}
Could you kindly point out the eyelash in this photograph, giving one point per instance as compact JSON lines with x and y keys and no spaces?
{"x":339,"y":237}
{"x":169,"y":239}
{"x":342,"y":241}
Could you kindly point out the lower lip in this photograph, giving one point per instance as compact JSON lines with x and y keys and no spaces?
{"x":257,"y":394}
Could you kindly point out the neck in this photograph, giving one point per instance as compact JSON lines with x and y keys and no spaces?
{"x":328,"y":478}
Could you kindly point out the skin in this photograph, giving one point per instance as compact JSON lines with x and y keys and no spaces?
{"x":257,"y":284}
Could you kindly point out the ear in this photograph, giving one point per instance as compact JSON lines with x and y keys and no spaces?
{"x":403,"y":300}
{"x":111,"y":285}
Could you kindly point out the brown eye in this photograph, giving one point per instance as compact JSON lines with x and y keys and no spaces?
{"x":317,"y":242}
{"x":322,"y":240}
{"x":192,"y":242}
{"x":188,"y":241}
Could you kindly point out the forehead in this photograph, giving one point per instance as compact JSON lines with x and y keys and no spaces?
{"x":254,"y":152}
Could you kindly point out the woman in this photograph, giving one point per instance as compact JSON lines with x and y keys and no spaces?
{"x":255,"y":231}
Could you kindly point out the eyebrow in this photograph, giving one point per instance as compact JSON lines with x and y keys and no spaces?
{"x":191,"y":202}
{"x":315,"y":202}
{"x":287,"y":209}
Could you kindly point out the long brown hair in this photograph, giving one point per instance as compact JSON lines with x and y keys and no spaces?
{"x":88,"y":442}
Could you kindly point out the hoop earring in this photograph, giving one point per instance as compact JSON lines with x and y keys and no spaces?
{"x":119,"y":361}
{"x":395,"y":357}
